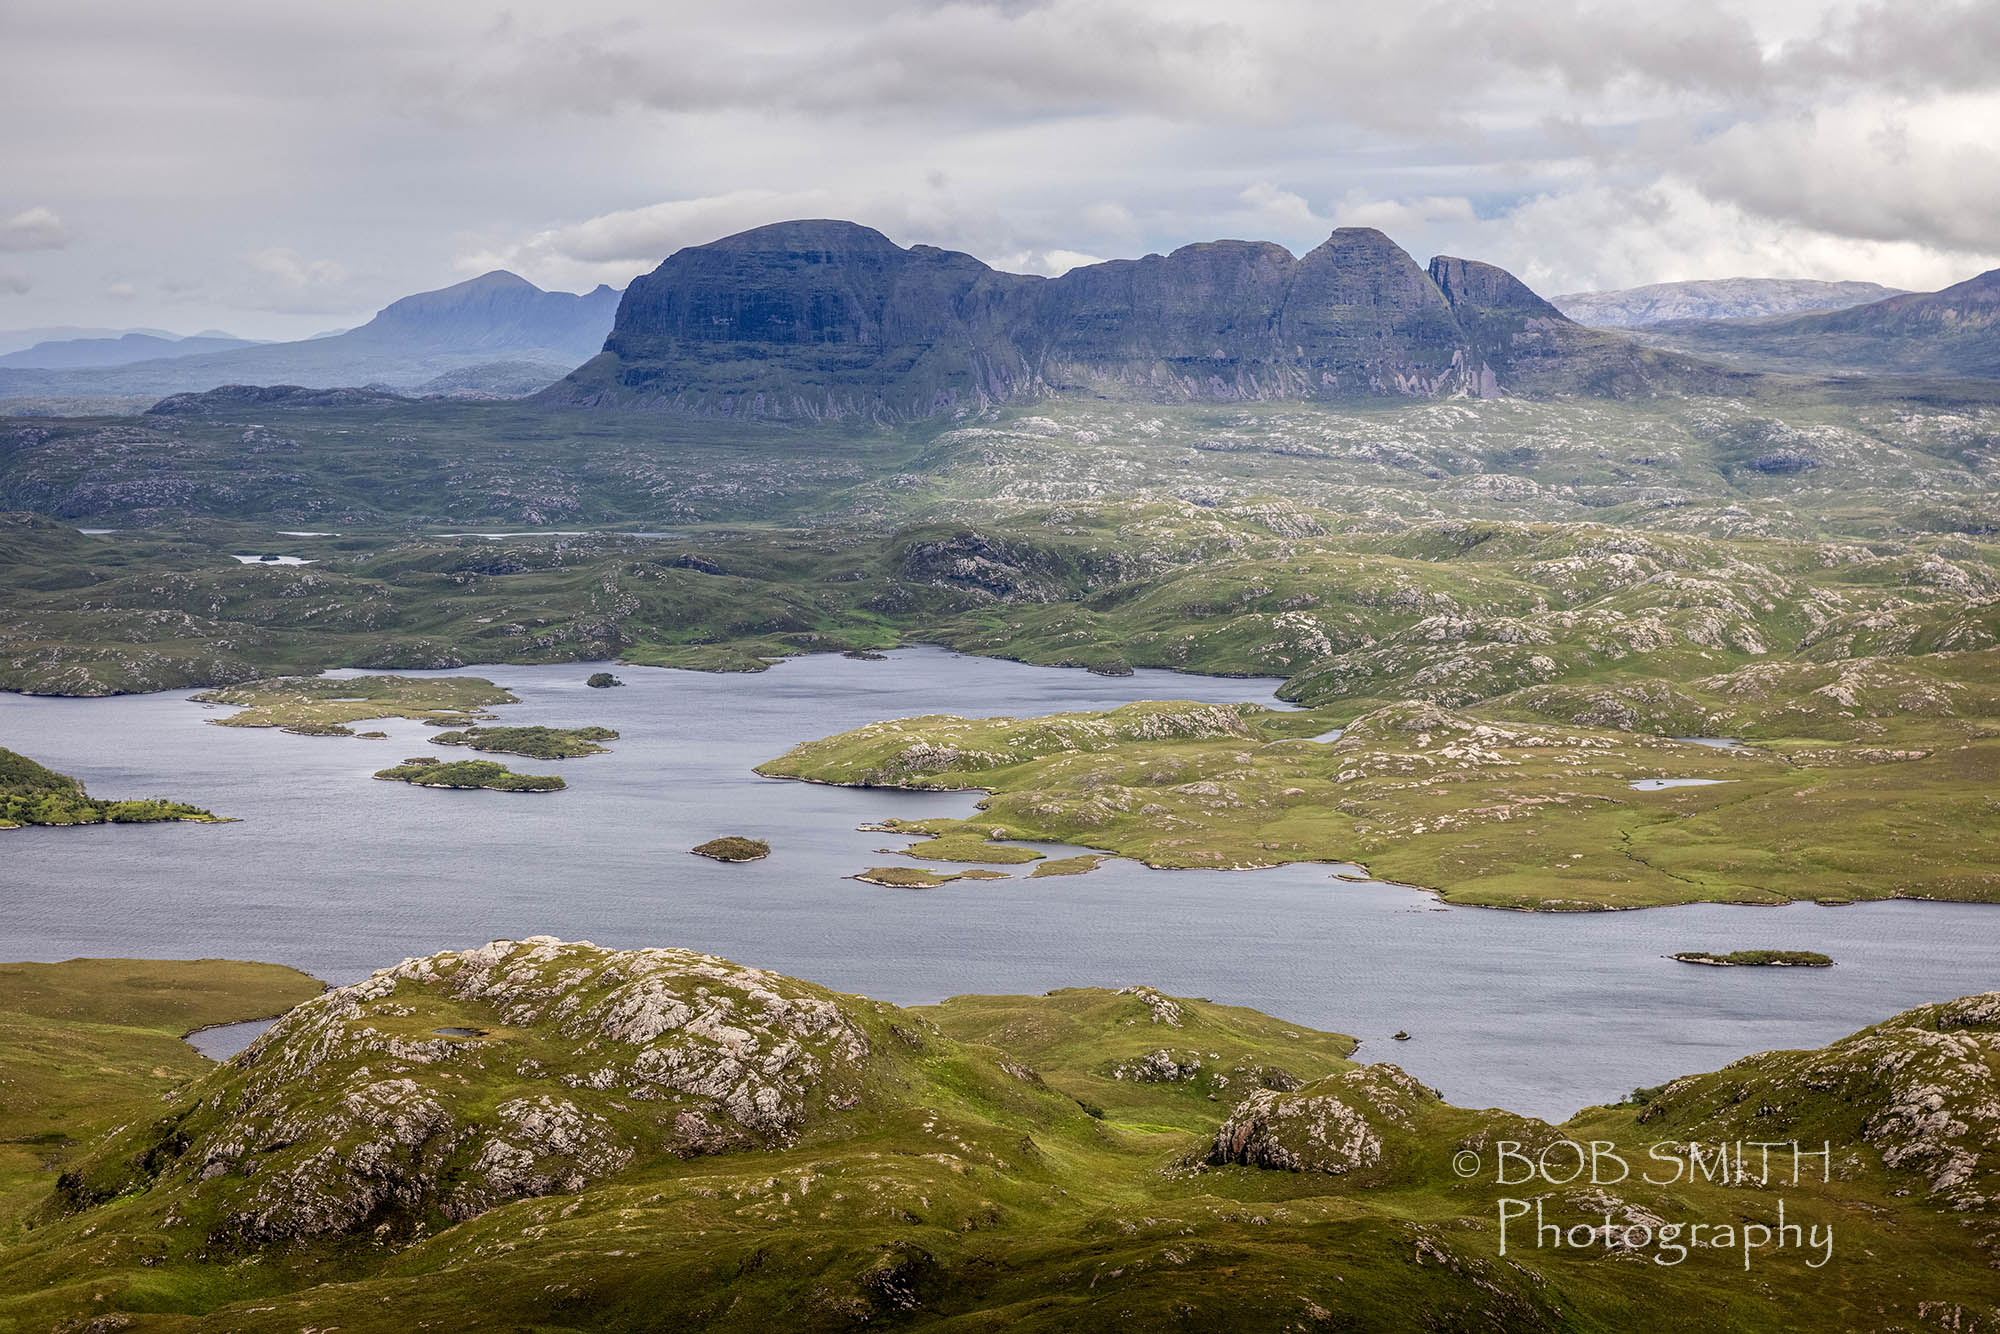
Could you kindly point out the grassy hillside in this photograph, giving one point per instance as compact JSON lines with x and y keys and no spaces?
{"x":540,"y":1135}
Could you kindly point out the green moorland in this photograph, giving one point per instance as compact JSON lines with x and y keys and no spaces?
{"x":536,"y":743}
{"x":1810,"y":568}
{"x":91,"y":1043}
{"x":429,"y":771}
{"x":33,"y":794}
{"x":581,"y":1139}
{"x":1524,"y":814}
{"x":322,"y":706}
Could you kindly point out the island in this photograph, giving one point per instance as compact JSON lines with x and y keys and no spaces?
{"x":33,"y":794}
{"x":429,"y":771}
{"x":324,"y":706}
{"x":1755,"y":959}
{"x":920,"y":877}
{"x":602,"y":681}
{"x":732,"y":848}
{"x":536,"y":743}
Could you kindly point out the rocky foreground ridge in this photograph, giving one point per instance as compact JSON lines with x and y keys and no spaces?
{"x":825,"y":319}
{"x":545,"y":1134}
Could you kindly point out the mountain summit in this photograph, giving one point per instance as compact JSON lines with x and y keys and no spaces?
{"x":828,"y":319}
{"x":495,"y":324}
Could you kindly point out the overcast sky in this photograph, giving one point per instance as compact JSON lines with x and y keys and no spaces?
{"x":276,"y":169}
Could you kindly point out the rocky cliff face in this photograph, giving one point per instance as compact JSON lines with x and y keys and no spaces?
{"x":825,"y":319}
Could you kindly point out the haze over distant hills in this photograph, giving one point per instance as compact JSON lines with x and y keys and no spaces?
{"x":1714,"y":299}
{"x":76,"y":353}
{"x":1954,"y":332}
{"x":828,"y":319}
{"x":497,"y":320}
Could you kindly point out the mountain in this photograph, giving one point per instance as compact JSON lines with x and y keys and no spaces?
{"x":14,"y":340}
{"x":70,"y":353}
{"x":1952,"y":332}
{"x":495,"y":318}
{"x":1714,"y":299}
{"x":829,"y":319}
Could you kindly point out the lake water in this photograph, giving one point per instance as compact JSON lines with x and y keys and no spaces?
{"x":337,"y":874}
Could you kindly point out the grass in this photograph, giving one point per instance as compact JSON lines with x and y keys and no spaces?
{"x":427,"y":771}
{"x":320,"y":706}
{"x":1757,"y":958}
{"x":89,"y":1043}
{"x":733,"y":848}
{"x":1526,"y":814}
{"x":1021,"y":1162}
{"x":920,"y":877}
{"x":536,"y":743}
{"x":1067,"y":866}
{"x":32,"y":794}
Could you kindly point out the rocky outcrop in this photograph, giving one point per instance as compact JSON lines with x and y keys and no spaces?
{"x":1337,"y":1125}
{"x":825,"y":319}
{"x":1922,"y":1088}
{"x":449,"y":1084}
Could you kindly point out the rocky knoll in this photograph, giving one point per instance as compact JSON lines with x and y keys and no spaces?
{"x":1922,"y":1089}
{"x":1336,"y":1125}
{"x":826,"y":319}
{"x":449,"y":1084}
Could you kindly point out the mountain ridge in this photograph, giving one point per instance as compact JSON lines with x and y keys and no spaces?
{"x":827,"y":319}
{"x":1714,"y":299}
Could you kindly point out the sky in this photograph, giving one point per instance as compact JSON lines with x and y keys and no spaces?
{"x":279,"y":169}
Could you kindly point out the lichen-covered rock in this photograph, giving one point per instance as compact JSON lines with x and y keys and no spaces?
{"x":456,"y":1082}
{"x":1335,"y":1125}
{"x":1922,"y":1088}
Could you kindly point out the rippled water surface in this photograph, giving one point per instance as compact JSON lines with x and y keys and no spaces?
{"x":337,"y":874}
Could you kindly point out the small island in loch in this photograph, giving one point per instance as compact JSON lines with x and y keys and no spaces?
{"x":33,"y":794}
{"x":324,"y":706}
{"x":535,"y":743}
{"x":429,"y":771}
{"x":732,"y":848}
{"x":602,"y":681}
{"x":921,"y":877}
{"x":1755,"y":959}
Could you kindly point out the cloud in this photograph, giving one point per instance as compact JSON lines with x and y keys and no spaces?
{"x":120,"y":291}
{"x":1401,"y":217}
{"x":285,"y":280}
{"x":1048,"y":263}
{"x":1281,"y":207}
{"x":14,"y":283}
{"x":37,"y":228}
{"x":583,"y":143}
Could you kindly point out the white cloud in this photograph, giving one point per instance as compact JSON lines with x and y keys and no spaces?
{"x":285,"y":280}
{"x":14,"y":283}
{"x":1281,"y":208}
{"x":1401,"y":217}
{"x":120,"y":291}
{"x":1048,"y":263}
{"x":38,"y":228}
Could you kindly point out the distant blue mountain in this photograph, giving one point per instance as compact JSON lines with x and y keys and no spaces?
{"x":497,"y":317}
{"x":72,"y":353}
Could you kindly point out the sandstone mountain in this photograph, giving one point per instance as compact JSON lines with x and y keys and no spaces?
{"x":826,"y":319}
{"x":1714,"y":299}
